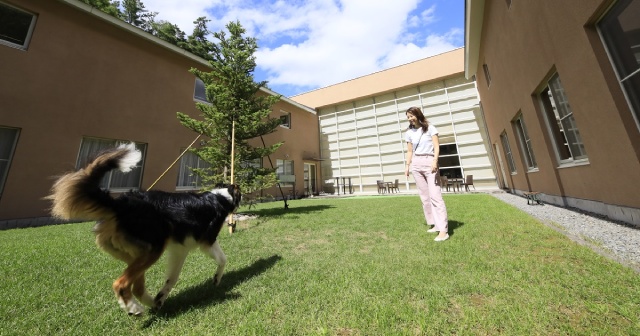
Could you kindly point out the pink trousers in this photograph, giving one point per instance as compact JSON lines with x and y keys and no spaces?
{"x":435,"y":211}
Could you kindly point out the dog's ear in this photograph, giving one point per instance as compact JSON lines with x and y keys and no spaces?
{"x":234,"y":191}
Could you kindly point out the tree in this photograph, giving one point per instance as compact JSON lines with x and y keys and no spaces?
{"x":109,"y":7}
{"x":197,"y":43}
{"x":234,"y":96}
{"x":135,"y":13}
{"x":168,"y":32}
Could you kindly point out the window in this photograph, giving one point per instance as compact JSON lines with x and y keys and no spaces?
{"x":8,"y":139}
{"x":16,"y":26}
{"x":449,"y":161}
{"x":200,"y":91}
{"x":285,"y":120}
{"x":487,"y":75}
{"x":507,"y":152}
{"x":525,"y":143}
{"x":114,"y":180}
{"x":187,"y":178}
{"x":285,"y":173}
{"x":562,"y":126}
{"x":620,"y":31}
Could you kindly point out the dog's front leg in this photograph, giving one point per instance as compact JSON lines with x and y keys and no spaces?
{"x":176,"y":254}
{"x":215,"y":252}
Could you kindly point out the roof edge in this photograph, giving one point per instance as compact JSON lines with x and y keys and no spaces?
{"x":473,"y":19}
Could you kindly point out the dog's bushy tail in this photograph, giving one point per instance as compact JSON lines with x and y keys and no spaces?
{"x":77,"y":195}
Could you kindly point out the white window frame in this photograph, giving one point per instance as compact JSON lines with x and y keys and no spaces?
{"x":107,"y":182}
{"x":504,"y":139}
{"x":625,"y":77}
{"x":7,"y":150}
{"x":525,"y":143}
{"x":558,"y":115}
{"x":192,"y":181}
{"x":285,"y":120}
{"x":285,"y":172}
{"x":27,"y":39}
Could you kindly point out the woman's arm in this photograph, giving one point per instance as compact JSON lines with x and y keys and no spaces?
{"x":409,"y":156}
{"x":436,"y":152}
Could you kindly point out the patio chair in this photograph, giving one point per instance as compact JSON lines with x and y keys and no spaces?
{"x":468,"y":182}
{"x":382,"y":188}
{"x":394,"y":186}
{"x":445,"y":183}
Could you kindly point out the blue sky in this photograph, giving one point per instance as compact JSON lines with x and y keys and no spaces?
{"x":305,"y":45}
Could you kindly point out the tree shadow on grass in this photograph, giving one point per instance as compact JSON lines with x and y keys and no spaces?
{"x":207,"y":293}
{"x":276,"y":212}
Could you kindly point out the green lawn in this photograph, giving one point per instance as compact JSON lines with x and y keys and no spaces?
{"x":351,"y":266}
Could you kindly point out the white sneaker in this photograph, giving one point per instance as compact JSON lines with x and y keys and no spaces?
{"x":442,"y":238}
{"x":433,"y":229}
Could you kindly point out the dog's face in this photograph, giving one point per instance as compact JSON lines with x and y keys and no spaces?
{"x":231,"y":192}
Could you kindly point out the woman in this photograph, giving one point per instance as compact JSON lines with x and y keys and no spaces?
{"x":423,"y":150}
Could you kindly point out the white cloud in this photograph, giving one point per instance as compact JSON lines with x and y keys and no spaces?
{"x":316,"y":43}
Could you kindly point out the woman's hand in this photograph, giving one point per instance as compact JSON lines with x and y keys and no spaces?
{"x":434,"y":166}
{"x":406,"y":171}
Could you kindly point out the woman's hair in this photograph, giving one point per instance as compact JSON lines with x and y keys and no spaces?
{"x":416,"y":112}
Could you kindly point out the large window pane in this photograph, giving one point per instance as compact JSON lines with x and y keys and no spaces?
{"x":507,"y":152}
{"x":562,"y":125}
{"x":187,"y":178}
{"x":525,"y":143}
{"x":114,"y":180}
{"x":16,"y":26}
{"x":620,"y":29}
{"x":8,"y":138}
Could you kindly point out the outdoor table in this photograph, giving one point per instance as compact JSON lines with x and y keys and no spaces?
{"x":344,"y":185}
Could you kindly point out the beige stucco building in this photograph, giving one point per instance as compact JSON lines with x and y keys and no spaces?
{"x":560,"y":87}
{"x":74,"y":80}
{"x":362,"y":124}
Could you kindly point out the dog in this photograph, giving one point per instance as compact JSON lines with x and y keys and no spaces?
{"x":139,"y":226}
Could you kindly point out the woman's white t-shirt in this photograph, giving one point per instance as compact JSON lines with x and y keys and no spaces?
{"x":424,"y":143}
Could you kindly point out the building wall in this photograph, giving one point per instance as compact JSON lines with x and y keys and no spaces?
{"x":523,"y":46}
{"x":362,"y":127}
{"x":85,"y":75}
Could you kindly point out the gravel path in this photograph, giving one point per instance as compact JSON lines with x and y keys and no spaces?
{"x":614,"y":240}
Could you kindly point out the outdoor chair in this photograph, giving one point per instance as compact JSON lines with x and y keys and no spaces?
{"x":394,"y":186}
{"x":445,"y":183}
{"x":381,"y":187}
{"x":468,"y":182}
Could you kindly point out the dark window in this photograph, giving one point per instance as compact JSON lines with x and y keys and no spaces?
{"x":200,"y":91}
{"x":285,"y":120}
{"x":8,"y":139}
{"x":487,"y":75}
{"x":620,"y":29}
{"x":16,"y":26}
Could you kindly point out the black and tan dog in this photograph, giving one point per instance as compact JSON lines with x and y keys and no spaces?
{"x":138,"y":226}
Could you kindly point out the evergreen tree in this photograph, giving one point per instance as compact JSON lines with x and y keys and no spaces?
{"x":168,"y":32}
{"x":197,"y":43}
{"x":234,"y":96}
{"x":135,"y":13}
{"x":109,"y":7}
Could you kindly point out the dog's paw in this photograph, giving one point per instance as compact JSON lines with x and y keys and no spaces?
{"x":158,"y":301}
{"x":217,"y":279}
{"x":132,"y":307}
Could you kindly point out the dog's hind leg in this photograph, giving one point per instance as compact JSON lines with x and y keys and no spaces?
{"x":122,"y":286}
{"x":176,"y":254}
{"x":216,"y":253}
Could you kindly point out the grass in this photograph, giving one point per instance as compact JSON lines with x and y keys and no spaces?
{"x":362,"y":266}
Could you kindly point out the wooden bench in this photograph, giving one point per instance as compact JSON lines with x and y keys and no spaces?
{"x":532,"y":196}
